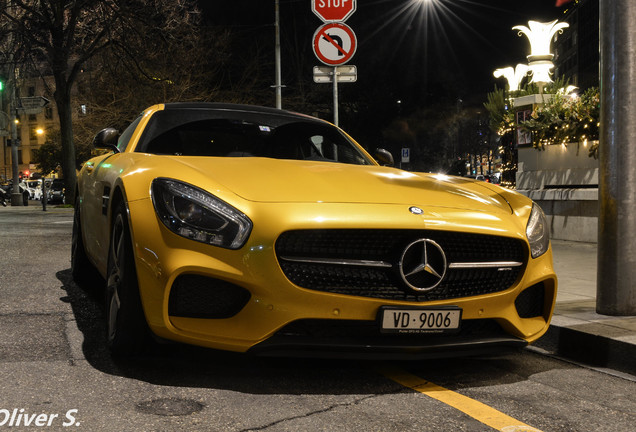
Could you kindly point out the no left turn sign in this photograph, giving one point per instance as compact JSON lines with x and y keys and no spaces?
{"x":334,"y":44}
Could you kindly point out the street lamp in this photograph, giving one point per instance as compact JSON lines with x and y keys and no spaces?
{"x":514,"y":76}
{"x":540,"y":58}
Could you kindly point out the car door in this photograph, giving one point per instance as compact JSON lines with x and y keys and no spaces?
{"x":95,"y":194}
{"x":98,"y":178}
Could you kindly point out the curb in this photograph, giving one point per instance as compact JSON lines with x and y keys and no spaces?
{"x":590,"y":349}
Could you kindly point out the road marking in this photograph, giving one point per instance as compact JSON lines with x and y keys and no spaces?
{"x":477,"y":410}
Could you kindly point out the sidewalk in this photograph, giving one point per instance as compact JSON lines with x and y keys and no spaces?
{"x":577,"y":331}
{"x":34,"y":206}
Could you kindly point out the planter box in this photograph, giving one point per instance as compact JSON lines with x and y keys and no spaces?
{"x":557,"y":166}
{"x":563,"y":180}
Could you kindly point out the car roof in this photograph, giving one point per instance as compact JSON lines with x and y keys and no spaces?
{"x":253,"y":109}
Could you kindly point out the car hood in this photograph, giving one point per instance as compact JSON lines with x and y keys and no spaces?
{"x":280,"y":180}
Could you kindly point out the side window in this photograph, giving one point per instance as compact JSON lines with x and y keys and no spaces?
{"x":122,"y":143}
{"x":336,"y":150}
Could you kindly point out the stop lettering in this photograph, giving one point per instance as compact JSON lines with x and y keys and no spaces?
{"x":333,"y":10}
{"x":331,"y":3}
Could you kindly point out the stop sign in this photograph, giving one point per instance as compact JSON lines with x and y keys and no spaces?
{"x":333,"y":10}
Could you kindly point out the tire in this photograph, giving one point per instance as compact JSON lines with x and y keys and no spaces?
{"x":82,"y":269}
{"x":127,"y":331}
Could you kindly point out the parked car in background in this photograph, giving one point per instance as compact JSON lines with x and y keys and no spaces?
{"x":494,"y":178}
{"x":56,"y":191}
{"x":8,"y":191}
{"x":24,"y":185}
{"x":479,"y":177}
{"x":35,"y":188}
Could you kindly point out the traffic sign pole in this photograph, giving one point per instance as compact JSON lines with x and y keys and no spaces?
{"x":16,"y":196}
{"x":334,"y":43}
{"x":279,"y":85}
{"x":335,"y":95}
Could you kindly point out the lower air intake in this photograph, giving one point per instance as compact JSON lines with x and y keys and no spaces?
{"x":196,"y":296}
{"x":530,"y":303}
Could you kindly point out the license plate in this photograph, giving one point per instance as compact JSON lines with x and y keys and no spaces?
{"x":419,"y":320}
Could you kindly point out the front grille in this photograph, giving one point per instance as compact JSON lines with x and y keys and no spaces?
{"x":313,"y":259}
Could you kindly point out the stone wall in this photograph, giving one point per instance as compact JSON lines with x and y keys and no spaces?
{"x":563,"y":180}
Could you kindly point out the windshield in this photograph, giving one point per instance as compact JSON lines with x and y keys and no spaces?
{"x":169,"y":133}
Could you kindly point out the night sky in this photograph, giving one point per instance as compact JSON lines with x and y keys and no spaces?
{"x":412,"y":51}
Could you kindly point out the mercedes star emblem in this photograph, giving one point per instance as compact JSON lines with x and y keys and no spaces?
{"x":423,"y":265}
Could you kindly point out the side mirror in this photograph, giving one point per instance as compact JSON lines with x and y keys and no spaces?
{"x":384,"y":157}
{"x":106,"y":139}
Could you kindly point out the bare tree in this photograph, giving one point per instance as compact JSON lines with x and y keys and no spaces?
{"x":65,"y":34}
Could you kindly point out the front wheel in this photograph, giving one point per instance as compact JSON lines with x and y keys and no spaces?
{"x":128,"y":332}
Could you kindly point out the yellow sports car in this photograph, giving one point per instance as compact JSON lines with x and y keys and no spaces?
{"x":258,"y":230}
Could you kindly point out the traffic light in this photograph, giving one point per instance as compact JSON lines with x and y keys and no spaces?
{"x":1,"y":85}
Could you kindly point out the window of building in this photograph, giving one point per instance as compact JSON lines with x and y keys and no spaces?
{"x":33,"y":133}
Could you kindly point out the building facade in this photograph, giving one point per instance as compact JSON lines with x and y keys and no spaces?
{"x":33,"y":128}
{"x":576,"y":50}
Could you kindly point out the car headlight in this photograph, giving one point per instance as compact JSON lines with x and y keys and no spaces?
{"x":538,"y":232}
{"x":198,"y":215}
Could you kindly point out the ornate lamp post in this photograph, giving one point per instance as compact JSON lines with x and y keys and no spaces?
{"x":540,"y":58}
{"x":514,"y":76}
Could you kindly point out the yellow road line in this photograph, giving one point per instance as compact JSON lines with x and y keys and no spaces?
{"x":477,"y":410}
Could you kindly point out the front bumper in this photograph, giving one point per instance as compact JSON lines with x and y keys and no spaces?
{"x":361,"y":339}
{"x":276,"y":315}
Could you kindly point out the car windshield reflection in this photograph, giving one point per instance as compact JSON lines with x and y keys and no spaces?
{"x":215,"y":137}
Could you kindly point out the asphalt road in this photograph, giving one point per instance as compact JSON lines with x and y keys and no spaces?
{"x":55,"y":373}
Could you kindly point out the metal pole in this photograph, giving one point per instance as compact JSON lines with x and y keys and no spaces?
{"x":45,"y":194}
{"x":335,"y":95}
{"x":16,"y":196}
{"x":3,"y":140}
{"x":616,"y":281}
{"x":279,"y":101}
